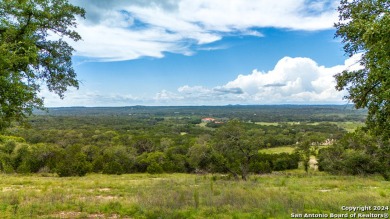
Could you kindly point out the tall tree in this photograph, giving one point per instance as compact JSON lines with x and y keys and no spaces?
{"x":364,"y":29}
{"x":33,"y":52}
{"x":234,"y":149}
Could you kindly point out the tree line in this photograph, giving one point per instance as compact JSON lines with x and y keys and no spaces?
{"x":114,"y":145}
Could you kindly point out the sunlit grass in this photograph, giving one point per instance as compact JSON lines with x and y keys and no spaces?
{"x":277,"y":150}
{"x":186,"y":196}
{"x":348,"y":126}
{"x":267,"y":123}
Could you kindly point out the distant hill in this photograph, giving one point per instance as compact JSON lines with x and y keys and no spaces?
{"x":267,"y":113}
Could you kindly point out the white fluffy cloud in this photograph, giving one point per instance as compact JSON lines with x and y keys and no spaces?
{"x":124,"y":30}
{"x":292,"y":81}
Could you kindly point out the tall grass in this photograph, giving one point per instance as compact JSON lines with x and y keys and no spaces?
{"x":275,"y":195}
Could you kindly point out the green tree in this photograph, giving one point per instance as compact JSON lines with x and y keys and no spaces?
{"x":30,"y":56}
{"x":199,"y":157}
{"x":356,"y":153}
{"x":234,"y":149}
{"x":364,"y":29}
{"x":304,"y":152}
{"x":72,"y":162}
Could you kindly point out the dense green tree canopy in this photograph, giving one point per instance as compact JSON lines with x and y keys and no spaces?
{"x":234,"y":148}
{"x":33,"y":53}
{"x":364,"y":27}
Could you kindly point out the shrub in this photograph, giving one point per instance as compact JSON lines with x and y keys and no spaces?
{"x":112,"y":167}
{"x":5,"y":163}
{"x":97,"y":164}
{"x":76,"y":165}
{"x":260,"y":167}
{"x":280,"y":164}
{"x":357,"y":153}
{"x":81,"y":165}
{"x":357,"y":162}
{"x":154,"y":168}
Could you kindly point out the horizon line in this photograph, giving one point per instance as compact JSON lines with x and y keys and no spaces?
{"x":316,"y":104}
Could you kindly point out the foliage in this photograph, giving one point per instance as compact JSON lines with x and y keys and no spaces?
{"x":364,"y":29}
{"x":234,"y":148}
{"x":303,"y":150}
{"x":266,"y":163}
{"x":260,"y":167}
{"x":199,"y":155}
{"x":118,"y":143}
{"x":154,"y":168}
{"x":29,"y":55}
{"x":357,"y":153}
{"x":73,"y":162}
{"x":112,"y":167}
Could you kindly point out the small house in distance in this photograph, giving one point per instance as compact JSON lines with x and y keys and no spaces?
{"x":208,"y":119}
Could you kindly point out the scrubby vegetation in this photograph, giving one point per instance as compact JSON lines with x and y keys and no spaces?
{"x":74,"y":142}
{"x":77,"y":141}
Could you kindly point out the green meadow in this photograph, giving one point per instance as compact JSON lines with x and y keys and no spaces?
{"x":276,"y":195}
{"x":349,"y":126}
{"x":277,"y":150}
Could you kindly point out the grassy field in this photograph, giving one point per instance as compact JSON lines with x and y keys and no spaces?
{"x":276,"y":195}
{"x":277,"y":150}
{"x":348,"y":126}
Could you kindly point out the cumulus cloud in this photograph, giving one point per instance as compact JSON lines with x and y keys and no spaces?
{"x":165,"y":96}
{"x":292,"y":81}
{"x":125,"y":30}
{"x":225,"y":90}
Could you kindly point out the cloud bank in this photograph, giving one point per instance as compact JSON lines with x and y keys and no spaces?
{"x":126,"y":30}
{"x":292,"y":81}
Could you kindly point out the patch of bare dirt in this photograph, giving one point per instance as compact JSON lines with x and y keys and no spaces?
{"x":104,"y":190}
{"x":105,"y":197}
{"x":75,"y":214}
{"x":313,"y":163}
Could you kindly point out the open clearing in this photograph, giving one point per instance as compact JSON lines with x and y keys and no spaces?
{"x":186,"y":196}
{"x":348,"y":126}
{"x":277,"y":150}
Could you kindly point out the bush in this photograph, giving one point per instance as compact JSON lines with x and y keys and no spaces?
{"x":5,"y":163}
{"x":8,"y":147}
{"x":357,"y":153}
{"x":357,"y":162}
{"x":280,"y":164}
{"x":260,"y":167}
{"x":265,"y":163}
{"x":97,"y":164}
{"x":76,"y":165}
{"x":81,"y":166}
{"x":329,"y":159}
{"x":63,"y":169}
{"x":154,"y":168}
{"x":112,"y":167}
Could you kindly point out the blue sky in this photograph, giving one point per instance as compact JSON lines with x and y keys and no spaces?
{"x":200,"y":52}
